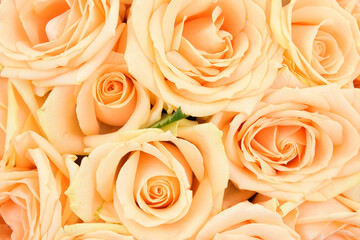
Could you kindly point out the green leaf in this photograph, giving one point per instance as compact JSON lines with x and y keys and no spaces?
{"x":178,"y":115}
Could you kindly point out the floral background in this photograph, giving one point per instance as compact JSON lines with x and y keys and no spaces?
{"x":179,"y":119}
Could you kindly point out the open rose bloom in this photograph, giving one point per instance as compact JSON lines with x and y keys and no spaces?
{"x":113,"y":97}
{"x":155,"y":183}
{"x":56,"y":42}
{"x":298,"y":144}
{"x":32,"y":200}
{"x":320,"y":38}
{"x":193,"y":55}
{"x":108,"y":101}
{"x":179,"y":120}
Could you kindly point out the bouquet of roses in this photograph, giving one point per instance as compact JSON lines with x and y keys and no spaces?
{"x":179,"y":119}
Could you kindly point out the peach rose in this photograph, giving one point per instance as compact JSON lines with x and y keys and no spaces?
{"x":204,"y":56}
{"x":320,"y":38}
{"x":32,"y":203}
{"x":327,"y":220}
{"x":246,"y":221}
{"x":56,"y":42}
{"x":101,"y":231}
{"x":110,"y":100}
{"x":113,"y":97}
{"x":298,"y":144}
{"x":158,"y":185}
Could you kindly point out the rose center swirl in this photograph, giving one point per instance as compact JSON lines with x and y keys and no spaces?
{"x":112,"y":88}
{"x":209,"y":27}
{"x":160,"y":191}
{"x":320,"y":49}
{"x":276,"y":148}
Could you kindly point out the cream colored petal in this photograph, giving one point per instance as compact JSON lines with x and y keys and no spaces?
{"x":50,"y":206}
{"x":94,"y":230}
{"x":224,"y":223}
{"x":137,"y":59}
{"x":79,"y":75}
{"x":85,"y":108}
{"x":31,"y":139}
{"x":27,"y":93}
{"x":188,"y":106}
{"x":84,"y":200}
{"x":104,"y":182}
{"x":350,"y":198}
{"x":337,"y":186}
{"x":315,"y":218}
{"x":142,"y":108}
{"x":124,"y":193}
{"x":215,"y":160}
{"x":59,"y":122}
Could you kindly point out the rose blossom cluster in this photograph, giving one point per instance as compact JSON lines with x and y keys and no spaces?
{"x":180,"y":119}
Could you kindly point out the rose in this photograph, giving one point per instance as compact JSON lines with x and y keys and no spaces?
{"x":204,"y":56}
{"x":298,"y":144}
{"x":320,"y":38}
{"x":110,"y":100}
{"x":57,"y":42}
{"x":246,"y":221}
{"x":93,"y":231}
{"x":112,"y":96}
{"x":32,"y":203}
{"x":26,"y":182}
{"x":327,"y":220}
{"x":159,"y":186}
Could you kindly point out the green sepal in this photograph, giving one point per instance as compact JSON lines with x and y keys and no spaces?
{"x":168,"y":119}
